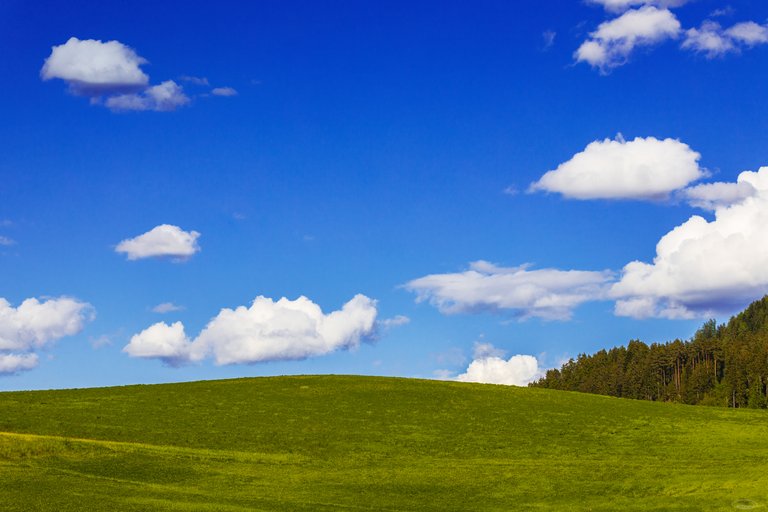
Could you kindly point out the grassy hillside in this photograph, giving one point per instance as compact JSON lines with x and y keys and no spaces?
{"x":361,"y":443}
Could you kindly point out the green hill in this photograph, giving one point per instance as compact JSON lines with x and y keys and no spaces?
{"x":363,"y":443}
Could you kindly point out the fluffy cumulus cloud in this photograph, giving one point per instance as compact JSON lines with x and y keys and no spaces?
{"x":643,"y":168}
{"x":544,"y":293}
{"x":110,"y":74}
{"x":94,"y":67}
{"x":702,"y":267}
{"x":615,"y":40}
{"x":15,"y":363}
{"x":490,"y":367}
{"x":749,"y":33}
{"x":714,"y":41}
{"x":164,"y":241}
{"x":266,"y":331}
{"x":34,"y":325}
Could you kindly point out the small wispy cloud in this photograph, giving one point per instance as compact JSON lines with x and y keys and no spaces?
{"x":197,"y":80}
{"x":511,"y":190}
{"x":396,"y":321}
{"x":224,"y":91}
{"x":548,"y":293}
{"x":102,"y":341}
{"x":549,"y":39}
{"x":167,"y":307}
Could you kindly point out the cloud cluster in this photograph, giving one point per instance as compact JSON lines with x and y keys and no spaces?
{"x":110,"y":74}
{"x":543,"y":293}
{"x":644,"y":168}
{"x":646,"y":23}
{"x":714,"y":41}
{"x":613,"y":41}
{"x":705,"y":267}
{"x":266,"y":331}
{"x":702,"y":267}
{"x":164,"y":97}
{"x":163,"y":241}
{"x":34,"y":325}
{"x":490,"y":367}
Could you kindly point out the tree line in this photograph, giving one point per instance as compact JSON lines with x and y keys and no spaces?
{"x":722,"y":365}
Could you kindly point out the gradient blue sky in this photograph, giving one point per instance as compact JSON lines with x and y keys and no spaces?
{"x":368,"y":145}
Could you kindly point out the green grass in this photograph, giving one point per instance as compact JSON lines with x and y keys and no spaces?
{"x":363,"y":443}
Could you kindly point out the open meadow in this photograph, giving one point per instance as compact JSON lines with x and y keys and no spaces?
{"x":365,"y":443}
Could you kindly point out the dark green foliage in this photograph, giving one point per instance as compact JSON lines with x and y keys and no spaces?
{"x":328,"y":443}
{"x":724,"y":365}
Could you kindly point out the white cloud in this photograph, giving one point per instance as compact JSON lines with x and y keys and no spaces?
{"x":224,"y":91}
{"x":396,"y":321}
{"x":544,"y":293}
{"x":265,"y":331}
{"x":35,"y":324}
{"x":484,"y":350}
{"x":725,"y":11}
{"x":644,"y":168}
{"x":110,"y":73}
{"x":161,"y":241}
{"x":167,"y":307}
{"x":7,"y":242}
{"x":489,"y":367}
{"x":623,"y":5}
{"x":702,"y":267}
{"x":709,"y":39}
{"x":94,"y":67}
{"x":443,"y":374}
{"x":711,"y":196}
{"x":549,"y":39}
{"x":749,"y":33}
{"x":197,"y":80}
{"x":100,"y":341}
{"x":614,"y":40}
{"x":164,"y":97}
{"x":162,"y":341}
{"x":14,"y":363}
{"x":712,"y":40}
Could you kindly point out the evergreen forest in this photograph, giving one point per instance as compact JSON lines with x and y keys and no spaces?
{"x":721,"y":365}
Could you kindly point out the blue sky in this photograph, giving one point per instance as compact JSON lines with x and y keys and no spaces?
{"x":354,"y":150}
